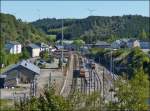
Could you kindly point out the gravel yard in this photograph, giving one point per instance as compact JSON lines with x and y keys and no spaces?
{"x":56,"y":79}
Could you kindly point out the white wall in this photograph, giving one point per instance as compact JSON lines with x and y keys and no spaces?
{"x":36,"y":52}
{"x":16,"y":49}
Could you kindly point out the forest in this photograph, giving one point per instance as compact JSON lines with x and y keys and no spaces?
{"x":17,"y":30}
{"x":95,"y":28}
{"x":89,"y":29}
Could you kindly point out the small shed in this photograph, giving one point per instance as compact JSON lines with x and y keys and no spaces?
{"x":34,"y":50}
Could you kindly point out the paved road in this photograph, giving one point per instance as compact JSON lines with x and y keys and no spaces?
{"x":68,"y":79}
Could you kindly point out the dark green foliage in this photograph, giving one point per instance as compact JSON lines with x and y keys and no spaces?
{"x":47,"y":101}
{"x":25,"y":54}
{"x":51,"y":38}
{"x":47,"y":56}
{"x":78,"y":43}
{"x":8,"y":59}
{"x":126,"y":60}
{"x":16,"y":30}
{"x":96,"y":28}
{"x":137,"y":59}
{"x":132,"y":94}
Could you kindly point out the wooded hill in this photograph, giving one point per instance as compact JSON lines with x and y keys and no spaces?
{"x":16,"y":30}
{"x":95,"y":28}
{"x":90,"y":29}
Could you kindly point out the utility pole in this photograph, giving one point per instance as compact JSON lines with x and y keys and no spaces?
{"x":33,"y":87}
{"x":62,"y":37}
{"x":103,"y":86}
{"x":49,"y":81}
{"x":111,"y":74}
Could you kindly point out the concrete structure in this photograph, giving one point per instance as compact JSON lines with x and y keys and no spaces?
{"x":34,"y":50}
{"x":22,"y":72}
{"x":13,"y":47}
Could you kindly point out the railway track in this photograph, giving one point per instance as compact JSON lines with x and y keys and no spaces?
{"x":86,"y":85}
{"x":98,"y":80}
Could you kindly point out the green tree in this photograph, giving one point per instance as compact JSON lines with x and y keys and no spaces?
{"x":132,"y":94}
{"x":143,"y":35}
{"x":48,"y":101}
{"x":78,"y":43}
{"x":47,"y":56}
{"x":51,"y":38}
{"x":25,"y":54}
{"x":3,"y":57}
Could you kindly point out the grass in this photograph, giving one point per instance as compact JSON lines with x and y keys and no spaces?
{"x":6,"y":68}
{"x":6,"y":102}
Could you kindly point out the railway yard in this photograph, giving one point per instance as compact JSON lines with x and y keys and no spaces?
{"x":82,"y":75}
{"x":86,"y":76}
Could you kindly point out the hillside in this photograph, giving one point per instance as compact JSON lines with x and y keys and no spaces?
{"x":97,"y":27}
{"x":16,"y":30}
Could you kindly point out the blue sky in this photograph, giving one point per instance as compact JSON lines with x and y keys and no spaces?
{"x":33,"y":10}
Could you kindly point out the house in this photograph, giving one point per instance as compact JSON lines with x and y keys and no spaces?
{"x":22,"y":72}
{"x":145,"y":46}
{"x":102,"y":44}
{"x":122,"y":43}
{"x":34,"y":50}
{"x":133,"y":43}
{"x":13,"y":47}
{"x":43,"y":46}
